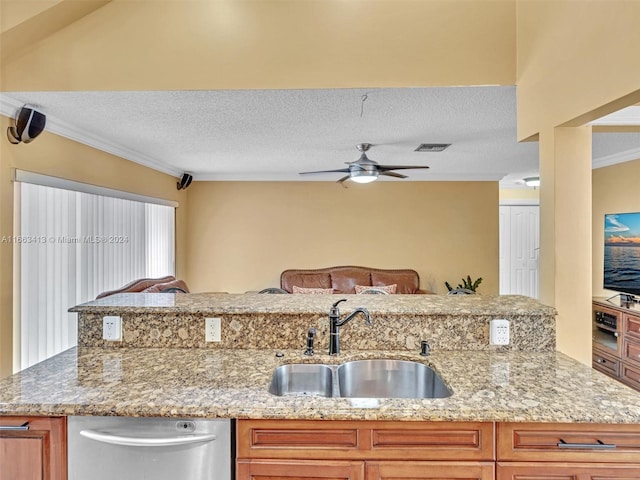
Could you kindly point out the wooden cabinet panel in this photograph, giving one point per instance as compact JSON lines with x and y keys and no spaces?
{"x":605,"y":363}
{"x":630,"y":374}
{"x":631,"y":327}
{"x":566,"y":471}
{"x":298,"y":470}
{"x":365,"y":440}
{"x":36,"y":453}
{"x":631,"y":352}
{"x":429,"y":470}
{"x":540,"y":442}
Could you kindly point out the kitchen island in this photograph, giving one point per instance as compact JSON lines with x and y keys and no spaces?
{"x":517,"y":411}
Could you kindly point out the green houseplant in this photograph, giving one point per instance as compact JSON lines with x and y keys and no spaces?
{"x":467,"y":284}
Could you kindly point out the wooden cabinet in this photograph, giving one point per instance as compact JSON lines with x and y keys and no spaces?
{"x":535,"y":451}
{"x":616,"y":342}
{"x":564,"y":471}
{"x":374,"y":450}
{"x":33,"y":448}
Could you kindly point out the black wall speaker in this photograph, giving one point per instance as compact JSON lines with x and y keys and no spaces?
{"x":185,"y":181}
{"x":29,"y":124}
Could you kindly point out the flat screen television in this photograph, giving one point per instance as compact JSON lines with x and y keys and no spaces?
{"x":622,"y":252}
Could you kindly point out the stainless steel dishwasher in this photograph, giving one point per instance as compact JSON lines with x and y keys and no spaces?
{"x":127,"y":448}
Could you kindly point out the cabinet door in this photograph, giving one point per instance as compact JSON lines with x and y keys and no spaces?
{"x":429,"y":470}
{"x":36,"y":452}
{"x":299,"y":470}
{"x":566,"y":471}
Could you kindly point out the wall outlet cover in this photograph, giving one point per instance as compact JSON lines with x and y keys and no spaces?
{"x":112,"y":328}
{"x":212,"y":330}
{"x":499,"y":332}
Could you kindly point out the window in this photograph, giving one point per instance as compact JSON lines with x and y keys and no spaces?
{"x":74,"y":245}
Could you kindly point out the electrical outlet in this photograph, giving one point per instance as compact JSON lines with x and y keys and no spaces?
{"x":112,"y":328}
{"x":212,"y":330}
{"x":499,"y":332}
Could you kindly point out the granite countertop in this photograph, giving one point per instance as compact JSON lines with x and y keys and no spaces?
{"x":487,"y":386}
{"x":204,"y":303}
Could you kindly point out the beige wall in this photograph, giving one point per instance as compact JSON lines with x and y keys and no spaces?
{"x":615,"y":190}
{"x":528,"y":194}
{"x":575,"y":60}
{"x":241,"y":235}
{"x":56,"y":156}
{"x":258,"y":44}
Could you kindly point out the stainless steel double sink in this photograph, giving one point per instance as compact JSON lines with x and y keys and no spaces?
{"x":374,"y":378}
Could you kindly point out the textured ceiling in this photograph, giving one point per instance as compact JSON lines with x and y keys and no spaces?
{"x":275,"y":134}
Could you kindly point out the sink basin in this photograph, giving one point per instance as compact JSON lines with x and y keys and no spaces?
{"x":378,"y":378}
{"x":390,"y":379}
{"x":302,"y":379}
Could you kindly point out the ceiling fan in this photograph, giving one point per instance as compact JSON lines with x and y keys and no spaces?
{"x":365,"y":170}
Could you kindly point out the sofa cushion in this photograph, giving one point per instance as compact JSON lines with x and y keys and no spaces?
{"x":305,"y":280}
{"x":407,"y":282}
{"x":344,"y":280}
{"x":137,"y":285}
{"x":385,"y":288}
{"x":313,"y":291}
{"x":161,"y":287}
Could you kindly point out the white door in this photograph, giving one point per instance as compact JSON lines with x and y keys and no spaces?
{"x":519,"y":241}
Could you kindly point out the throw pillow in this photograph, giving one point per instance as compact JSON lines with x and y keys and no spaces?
{"x":315,"y":291}
{"x":385,"y":288}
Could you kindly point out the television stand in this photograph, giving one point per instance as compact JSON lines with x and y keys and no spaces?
{"x":624,"y":298}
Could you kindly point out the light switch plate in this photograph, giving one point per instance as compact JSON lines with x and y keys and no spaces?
{"x":112,"y":328}
{"x":499,"y":332}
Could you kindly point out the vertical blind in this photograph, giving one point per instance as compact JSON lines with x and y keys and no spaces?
{"x":73,"y":246}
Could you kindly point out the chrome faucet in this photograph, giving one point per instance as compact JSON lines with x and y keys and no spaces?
{"x":335,"y":323}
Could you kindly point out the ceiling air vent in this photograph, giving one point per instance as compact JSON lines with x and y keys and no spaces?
{"x":432,"y":147}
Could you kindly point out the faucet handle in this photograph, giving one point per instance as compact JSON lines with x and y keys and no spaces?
{"x":335,"y":305}
{"x":335,"y":311}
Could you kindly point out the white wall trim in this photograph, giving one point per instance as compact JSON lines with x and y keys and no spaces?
{"x":63,"y":183}
{"x":620,"y":157}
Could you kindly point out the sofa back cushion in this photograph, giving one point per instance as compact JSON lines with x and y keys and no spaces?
{"x":407,"y":281}
{"x":343,"y":279}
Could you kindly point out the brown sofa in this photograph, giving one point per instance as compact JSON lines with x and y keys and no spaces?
{"x":343,"y":279}
{"x":150,"y":285}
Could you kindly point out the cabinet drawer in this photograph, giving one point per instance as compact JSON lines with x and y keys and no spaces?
{"x":376,"y":470}
{"x":564,"y":471}
{"x":582,"y":442}
{"x":631,"y":352}
{"x":630,"y":375}
{"x":605,"y":363}
{"x":365,"y":440}
{"x":631,"y":327}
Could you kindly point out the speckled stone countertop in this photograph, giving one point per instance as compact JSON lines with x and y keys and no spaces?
{"x":205,"y":303}
{"x":400,"y":322}
{"x":487,"y":386}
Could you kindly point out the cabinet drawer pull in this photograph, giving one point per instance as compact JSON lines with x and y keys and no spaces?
{"x":602,"y":360}
{"x":24,"y":426}
{"x":594,"y":446}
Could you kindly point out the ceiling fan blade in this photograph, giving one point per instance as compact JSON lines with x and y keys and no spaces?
{"x":342,"y":170}
{"x":384,"y":168}
{"x":344,"y":178}
{"x":393,"y":174}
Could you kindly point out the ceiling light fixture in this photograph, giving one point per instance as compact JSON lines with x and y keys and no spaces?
{"x":532,"y":181}
{"x":363,"y":176}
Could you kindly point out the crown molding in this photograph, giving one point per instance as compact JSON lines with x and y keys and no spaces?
{"x":9,"y":106}
{"x":613,"y":159}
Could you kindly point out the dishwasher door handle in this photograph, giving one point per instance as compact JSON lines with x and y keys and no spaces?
{"x":146,"y":441}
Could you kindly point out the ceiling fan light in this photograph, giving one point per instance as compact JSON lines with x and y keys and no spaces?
{"x":532,"y":181}
{"x":364,"y":176}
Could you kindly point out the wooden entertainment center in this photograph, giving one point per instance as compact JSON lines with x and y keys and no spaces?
{"x":616,"y":340}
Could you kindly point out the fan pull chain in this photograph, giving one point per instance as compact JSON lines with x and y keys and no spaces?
{"x":362,"y":100}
